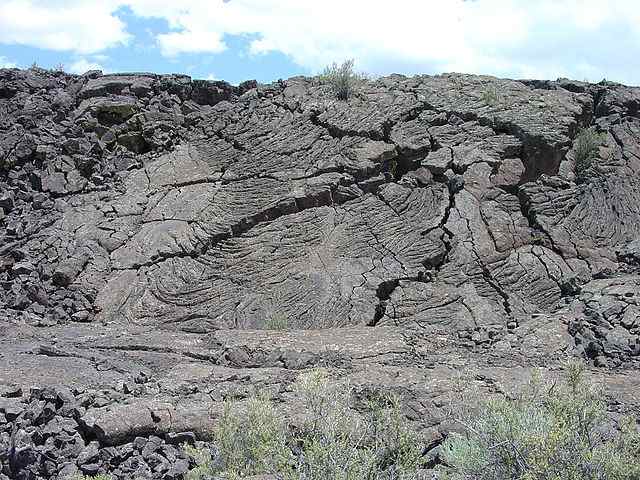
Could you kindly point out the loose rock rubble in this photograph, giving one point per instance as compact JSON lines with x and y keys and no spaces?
{"x":154,"y":229}
{"x":54,"y":432}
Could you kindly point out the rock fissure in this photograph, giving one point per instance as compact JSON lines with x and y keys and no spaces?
{"x":272,"y":227}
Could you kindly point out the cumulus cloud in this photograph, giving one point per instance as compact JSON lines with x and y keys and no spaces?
{"x":62,"y":25}
{"x":188,"y":41}
{"x":546,"y":38}
{"x":5,"y":63}
{"x":83,"y":65}
{"x":518,"y":38}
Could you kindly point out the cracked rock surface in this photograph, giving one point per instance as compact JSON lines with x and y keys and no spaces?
{"x":155,"y":228}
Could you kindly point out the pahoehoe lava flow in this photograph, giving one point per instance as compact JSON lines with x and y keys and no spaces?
{"x":153,"y":228}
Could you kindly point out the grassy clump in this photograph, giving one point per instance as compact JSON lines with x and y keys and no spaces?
{"x":342,"y":79}
{"x":552,"y":432}
{"x":490,"y":96}
{"x":585,"y":150}
{"x":333,"y":441}
{"x":276,"y":322}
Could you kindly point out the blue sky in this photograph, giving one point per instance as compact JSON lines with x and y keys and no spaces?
{"x":142,"y":53}
{"x":236,"y":40}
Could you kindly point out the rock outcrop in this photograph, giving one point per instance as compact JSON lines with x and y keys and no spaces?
{"x":155,"y":228}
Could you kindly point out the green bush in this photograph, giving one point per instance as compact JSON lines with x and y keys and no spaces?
{"x":550,"y":432}
{"x":342,"y":79}
{"x":585,"y":149}
{"x":275,"y":322}
{"x":340,"y":443}
{"x":333,"y":441}
{"x":250,"y":439}
{"x":206,"y":465}
{"x":490,"y":96}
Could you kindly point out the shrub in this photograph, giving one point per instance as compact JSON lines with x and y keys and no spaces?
{"x":333,"y":442}
{"x":490,"y":96}
{"x":340,"y":443}
{"x":250,"y":439}
{"x":276,"y":322}
{"x":585,"y":150}
{"x":204,"y":460}
{"x":552,"y":432}
{"x":330,"y":434}
{"x":342,"y":79}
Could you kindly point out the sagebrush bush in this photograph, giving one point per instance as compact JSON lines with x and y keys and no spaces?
{"x":333,"y":442}
{"x":490,"y":96}
{"x":585,"y":149}
{"x":342,"y":79}
{"x":549,"y":432}
{"x":340,"y":443}
{"x":276,"y":322}
{"x":250,"y":440}
{"x":206,"y":464}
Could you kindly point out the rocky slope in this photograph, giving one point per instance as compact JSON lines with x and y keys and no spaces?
{"x":156,"y":228}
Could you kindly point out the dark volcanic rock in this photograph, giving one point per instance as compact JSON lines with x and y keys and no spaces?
{"x":169,"y":243}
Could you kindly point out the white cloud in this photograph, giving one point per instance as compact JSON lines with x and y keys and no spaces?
{"x":5,"y":63}
{"x":83,"y":65}
{"x":175,"y":43}
{"x":517,"y":38}
{"x":211,"y":77}
{"x":75,"y":25}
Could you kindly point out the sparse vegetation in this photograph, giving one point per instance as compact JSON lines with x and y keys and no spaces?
{"x":490,"y":96}
{"x":276,"y":322}
{"x":333,"y":441}
{"x":585,"y":150}
{"x":250,"y":440}
{"x":549,"y":432}
{"x":342,"y":79}
{"x":553,"y":431}
{"x":274,"y":317}
{"x":204,"y":460}
{"x":340,"y":443}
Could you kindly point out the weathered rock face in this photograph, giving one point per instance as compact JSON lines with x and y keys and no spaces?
{"x":158,"y":226}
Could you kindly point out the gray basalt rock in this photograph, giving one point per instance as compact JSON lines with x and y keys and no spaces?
{"x":169,"y":243}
